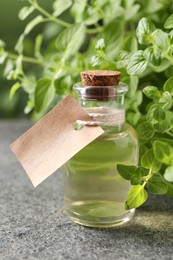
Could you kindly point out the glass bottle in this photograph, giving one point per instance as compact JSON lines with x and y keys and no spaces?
{"x":94,"y":191}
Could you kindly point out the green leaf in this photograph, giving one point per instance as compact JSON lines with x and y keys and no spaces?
{"x":130,"y":44}
{"x":136,"y":197}
{"x":161,"y":126}
{"x":142,"y":150}
{"x":44,"y":94}
{"x":19,"y":44}
{"x":131,"y":11}
{"x":168,"y":86}
{"x":38,"y":43}
{"x":137,"y":63}
{"x":169,"y":119}
{"x":164,"y":140}
{"x":70,"y":40}
{"x":100,"y":44}
{"x":163,"y":152}
{"x":25,"y":12}
{"x":160,"y":39}
{"x":163,"y":65}
{"x":169,"y":22}
{"x":126,"y":171}
{"x":153,"y":6}
{"x":29,"y":84}
{"x":159,"y":114}
{"x":145,"y":131}
{"x":61,"y":85}
{"x":149,"y":162}
{"x":166,"y":99}
{"x":168,"y":175}
{"x":137,"y":178}
{"x":59,"y":6}
{"x":157,"y":185}
{"x":123,"y":59}
{"x":151,"y":112}
{"x":92,"y":16}
{"x":29,"y":107}
{"x":8,"y":68}
{"x":78,"y":9}
{"x":170,"y":190}
{"x":151,"y":92}
{"x":19,"y":70}
{"x":3,"y":57}
{"x":14,"y":88}
{"x":33,"y":23}
{"x":140,"y":171}
{"x":133,"y":85}
{"x":138,"y":97}
{"x":113,"y":39}
{"x":2,"y":44}
{"x":144,"y":31}
{"x":153,"y":54}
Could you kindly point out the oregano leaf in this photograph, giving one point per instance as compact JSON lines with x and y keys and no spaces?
{"x":25,"y":12}
{"x":161,"y":126}
{"x":38,"y":43}
{"x":135,"y":180}
{"x":126,"y":171}
{"x":38,"y":19}
{"x":160,"y":39}
{"x":157,"y":185}
{"x":2,"y":44}
{"x":159,"y":114}
{"x":144,"y":31}
{"x":169,"y":22}
{"x":137,"y":63}
{"x":19,"y":44}
{"x":170,"y":190}
{"x":136,"y":197}
{"x":151,"y":92}
{"x":70,"y":40}
{"x":163,"y":152}
{"x":60,"y":6}
{"x":145,"y":131}
{"x":14,"y":88}
{"x":149,"y":162}
{"x":153,"y":55}
{"x":3,"y":57}
{"x":44,"y":94}
{"x":168,"y":175}
{"x":168,"y":86}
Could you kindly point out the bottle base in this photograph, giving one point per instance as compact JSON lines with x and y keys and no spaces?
{"x":99,"y":215}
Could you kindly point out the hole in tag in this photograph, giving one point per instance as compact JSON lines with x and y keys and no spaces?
{"x":78,"y":125}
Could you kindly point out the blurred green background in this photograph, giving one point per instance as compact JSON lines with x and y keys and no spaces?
{"x":10,"y":29}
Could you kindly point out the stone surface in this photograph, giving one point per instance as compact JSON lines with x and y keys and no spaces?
{"x":34,"y":226}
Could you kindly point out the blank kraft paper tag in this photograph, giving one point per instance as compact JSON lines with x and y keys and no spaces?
{"x":52,"y":141}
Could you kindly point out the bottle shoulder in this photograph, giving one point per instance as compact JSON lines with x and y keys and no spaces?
{"x":122,"y":130}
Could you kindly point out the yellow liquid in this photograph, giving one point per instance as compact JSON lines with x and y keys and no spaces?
{"x":95,"y":193}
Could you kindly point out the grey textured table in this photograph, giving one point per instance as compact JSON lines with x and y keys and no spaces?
{"x":34,"y":226}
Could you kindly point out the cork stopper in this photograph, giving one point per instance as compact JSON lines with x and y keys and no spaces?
{"x":100,"y":78}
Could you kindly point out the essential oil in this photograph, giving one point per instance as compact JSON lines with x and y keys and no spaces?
{"x":95,"y":193}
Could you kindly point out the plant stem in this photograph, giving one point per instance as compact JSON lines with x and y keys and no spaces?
{"x":25,"y":59}
{"x":147,"y":177}
{"x":48,"y":15}
{"x":170,"y":58}
{"x":169,"y":133}
{"x":94,"y":30}
{"x":59,"y":21}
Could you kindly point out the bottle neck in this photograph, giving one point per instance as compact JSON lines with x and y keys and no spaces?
{"x":105,"y":104}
